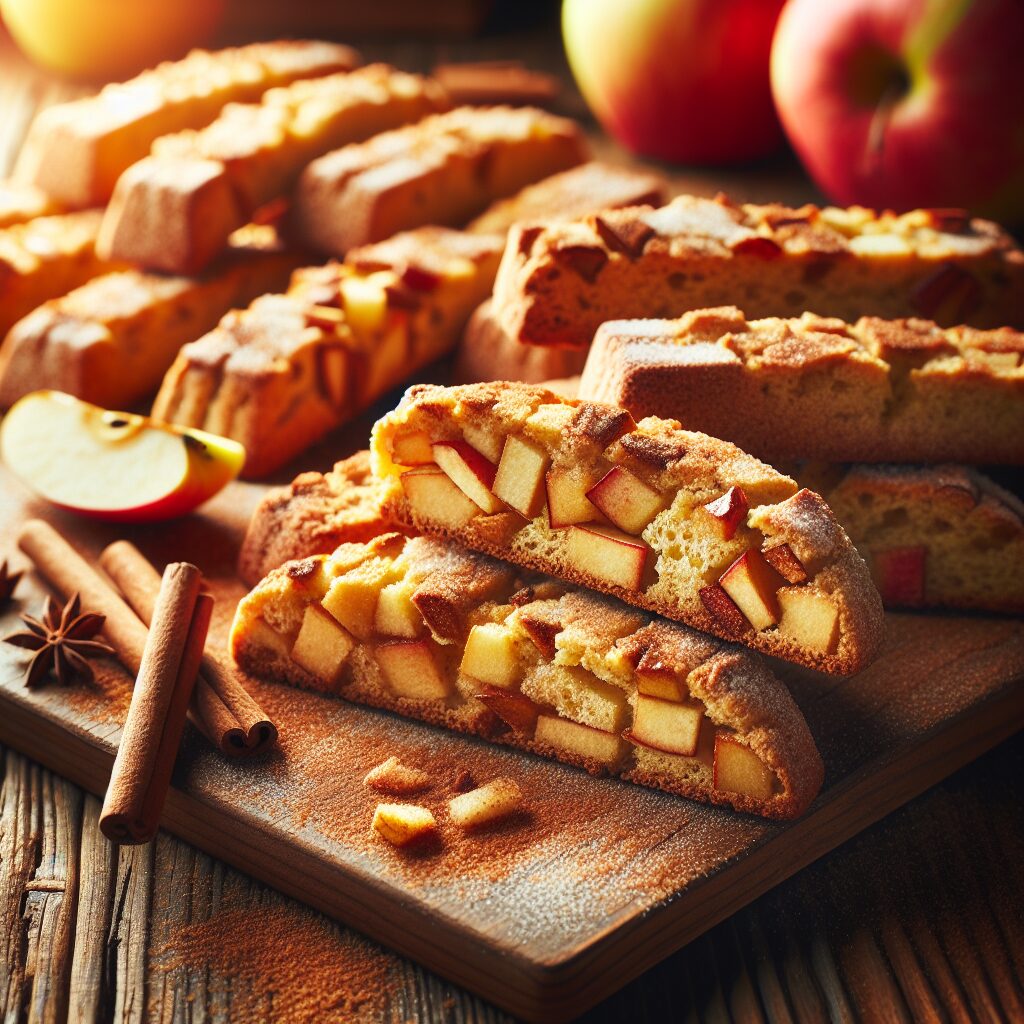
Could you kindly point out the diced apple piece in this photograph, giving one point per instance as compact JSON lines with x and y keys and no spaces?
{"x":514,"y":709}
{"x":352,"y":598}
{"x":519,"y":481}
{"x":391,"y":776}
{"x":412,"y":449}
{"x":809,"y":618}
{"x":396,"y":615}
{"x":752,"y":583}
{"x":401,"y":824}
{"x":581,"y":740}
{"x":498,"y":799}
{"x":566,"y":491}
{"x":739,"y":770}
{"x":470,"y":471}
{"x":489,"y":443}
{"x":433,"y":495}
{"x":542,"y":630}
{"x":667,"y":725}
{"x":728,"y":512}
{"x":322,"y":646}
{"x":899,"y":574}
{"x":607,"y":555}
{"x":785,"y":563}
{"x":655,"y":679}
{"x":490,"y":655}
{"x":626,"y":500}
{"x":721,"y":607}
{"x":365,"y":302}
{"x":411,"y":669}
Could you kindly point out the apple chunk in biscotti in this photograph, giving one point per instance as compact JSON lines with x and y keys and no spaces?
{"x":669,"y":520}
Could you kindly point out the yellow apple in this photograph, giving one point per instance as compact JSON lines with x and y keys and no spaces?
{"x":113,"y":465}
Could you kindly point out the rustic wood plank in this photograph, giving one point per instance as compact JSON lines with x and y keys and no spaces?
{"x":129,"y":931}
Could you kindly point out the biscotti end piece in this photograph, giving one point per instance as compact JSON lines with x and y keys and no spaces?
{"x":21,"y":201}
{"x":432,"y":631}
{"x":556,"y":286}
{"x":677,"y":522}
{"x":820,"y":388}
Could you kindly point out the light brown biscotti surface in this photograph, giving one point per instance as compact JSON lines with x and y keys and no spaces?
{"x":175,"y":209}
{"x":20,"y":202}
{"x":673,"y":521}
{"x":46,"y":257}
{"x":111,"y":341}
{"x":443,"y":170}
{"x":280,"y":374}
{"x":571,"y":194}
{"x":76,"y":151}
{"x":816,"y":388}
{"x":429,"y":630}
{"x":558,"y":284}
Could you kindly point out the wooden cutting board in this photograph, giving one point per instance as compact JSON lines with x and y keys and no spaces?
{"x":598,"y":880}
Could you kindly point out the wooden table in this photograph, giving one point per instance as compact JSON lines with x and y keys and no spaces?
{"x":918,"y":918}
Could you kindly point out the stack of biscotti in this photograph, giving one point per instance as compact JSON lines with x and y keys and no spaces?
{"x":175,"y":209}
{"x":76,"y":151}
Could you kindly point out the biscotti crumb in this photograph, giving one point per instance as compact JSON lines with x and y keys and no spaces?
{"x":395,"y":778}
{"x":401,"y":824}
{"x":498,"y":799}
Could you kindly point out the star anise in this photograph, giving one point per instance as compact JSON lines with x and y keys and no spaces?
{"x":62,"y":640}
{"x":8,"y":581}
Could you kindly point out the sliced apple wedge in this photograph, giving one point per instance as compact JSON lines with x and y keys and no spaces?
{"x":752,"y":584}
{"x":395,"y":614}
{"x":722,"y":609}
{"x":785,"y":563}
{"x":490,"y":655}
{"x":625,"y":500}
{"x":412,"y":449}
{"x":519,"y":481}
{"x":434,"y":496}
{"x":322,"y":646}
{"x":654,"y":679}
{"x":667,"y":725}
{"x":566,"y":491}
{"x":728,"y":512}
{"x":113,"y":465}
{"x":411,"y":669}
{"x":470,"y":471}
{"x":739,"y":770}
{"x":607,"y":555}
{"x":581,"y":740}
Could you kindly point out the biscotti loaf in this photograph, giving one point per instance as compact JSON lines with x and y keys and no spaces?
{"x":175,"y":209}
{"x":282,"y":373}
{"x":21,"y":202}
{"x":816,"y":388}
{"x":673,"y":521}
{"x":431,"y":631}
{"x":111,"y":341}
{"x":76,"y":151}
{"x":46,"y":257}
{"x":558,"y":284}
{"x":442,"y":170}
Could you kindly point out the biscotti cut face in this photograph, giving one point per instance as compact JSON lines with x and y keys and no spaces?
{"x":175,"y":209}
{"x":816,"y":388}
{"x":282,"y":373}
{"x":111,"y":341}
{"x":558,"y":284}
{"x":673,"y":521}
{"x":20,"y":202}
{"x":443,"y":170}
{"x":429,"y":630}
{"x":76,"y":151}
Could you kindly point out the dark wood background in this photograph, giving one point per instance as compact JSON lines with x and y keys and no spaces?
{"x":919,"y":918}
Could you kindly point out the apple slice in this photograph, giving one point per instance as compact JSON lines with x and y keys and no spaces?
{"x":514,"y":709}
{"x":395,"y":614}
{"x":655,"y":679}
{"x":739,"y":770}
{"x":412,"y":449}
{"x":667,"y":725}
{"x":809,"y":618}
{"x":752,"y":583}
{"x":519,"y":481}
{"x":113,"y":465}
{"x":899,"y":574}
{"x":727,"y":512}
{"x":722,"y":609}
{"x":470,"y":471}
{"x":365,"y":301}
{"x":607,"y":555}
{"x":352,"y":597}
{"x":490,"y":655}
{"x":498,"y":799}
{"x":322,"y":646}
{"x":566,"y":491}
{"x":581,"y":740}
{"x":401,"y":824}
{"x":626,"y":500}
{"x":785,"y":563}
{"x":411,"y":669}
{"x":435,"y":497}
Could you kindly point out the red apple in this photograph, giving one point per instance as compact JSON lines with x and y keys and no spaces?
{"x":906,"y":103}
{"x":683,"y":80}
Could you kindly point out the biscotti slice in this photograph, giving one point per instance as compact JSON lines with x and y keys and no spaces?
{"x":21,"y":202}
{"x":76,"y":151}
{"x":817,"y":388}
{"x":557,"y":284}
{"x":443,"y":170}
{"x":431,"y":631}
{"x":282,"y":373}
{"x":175,"y":209}
{"x":677,"y":522}
{"x":46,"y":257}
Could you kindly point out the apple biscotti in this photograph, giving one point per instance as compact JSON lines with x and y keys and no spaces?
{"x":432,"y":631}
{"x":20,"y":202}
{"x":76,"y":151}
{"x":282,"y":373}
{"x":557,"y":284}
{"x":817,"y":388}
{"x":175,"y":209}
{"x":444,"y":169}
{"x":677,"y":522}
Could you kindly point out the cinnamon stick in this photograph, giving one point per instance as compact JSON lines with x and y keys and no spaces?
{"x":156,"y":717}
{"x":223,"y":708}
